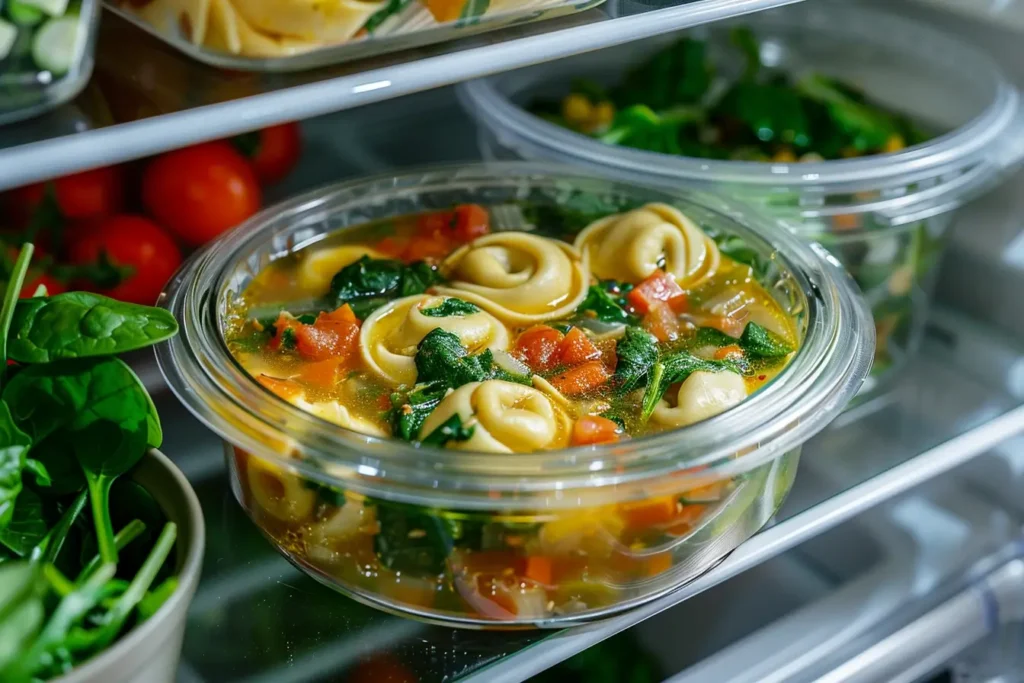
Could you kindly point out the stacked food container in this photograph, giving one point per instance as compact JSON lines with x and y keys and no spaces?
{"x":886,"y":217}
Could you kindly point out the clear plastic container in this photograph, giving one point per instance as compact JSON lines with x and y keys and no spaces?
{"x":326,"y":496}
{"x":216,"y":33}
{"x":28,"y":88}
{"x":886,"y":217}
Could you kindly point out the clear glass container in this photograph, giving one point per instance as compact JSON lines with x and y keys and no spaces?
{"x":29,"y":90}
{"x":328,"y":498}
{"x":408,"y":24}
{"x":886,"y":217}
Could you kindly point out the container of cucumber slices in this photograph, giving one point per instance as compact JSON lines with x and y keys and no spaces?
{"x":46,"y":54}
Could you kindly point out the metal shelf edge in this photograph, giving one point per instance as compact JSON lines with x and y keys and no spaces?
{"x":88,"y":149}
{"x":764,"y":546}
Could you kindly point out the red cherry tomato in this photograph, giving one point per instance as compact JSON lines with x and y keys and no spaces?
{"x":136,"y":243}
{"x":90,"y":194}
{"x":272,"y":152}
{"x":32,"y":284}
{"x":471,"y":221}
{"x":199,"y":192}
{"x":20,"y":203}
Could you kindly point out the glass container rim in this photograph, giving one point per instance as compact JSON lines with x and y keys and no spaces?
{"x":819,"y":381}
{"x":953,"y":151}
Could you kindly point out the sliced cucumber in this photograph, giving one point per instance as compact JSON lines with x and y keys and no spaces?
{"x":8,"y":34}
{"x":23,"y":14}
{"x":56,"y":44}
{"x":53,"y":8}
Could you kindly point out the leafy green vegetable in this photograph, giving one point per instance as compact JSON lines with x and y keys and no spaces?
{"x":440,"y":357}
{"x":49,"y":547}
{"x":678,"y":74}
{"x":573,"y":212}
{"x":14,"y":445}
{"x":155,"y":599}
{"x":377,"y":18}
{"x":412,"y":540}
{"x":412,"y":408}
{"x":637,"y":354}
{"x":758,"y":342}
{"x":82,"y":324}
{"x":451,"y":429}
{"x":604,"y":308}
{"x":27,"y":527}
{"x":745,"y":40}
{"x":738,"y":250}
{"x":10,"y":300}
{"x":369,"y":283}
{"x":867,"y":127}
{"x":641,"y":127}
{"x":770,"y":113}
{"x":671,"y":369}
{"x":449,"y":308}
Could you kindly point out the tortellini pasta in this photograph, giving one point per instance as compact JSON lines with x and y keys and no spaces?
{"x":701,"y":395}
{"x":506,"y":418}
{"x":335,"y":412}
{"x":520,"y":278}
{"x":278,"y":492}
{"x":319,"y":266}
{"x":388,"y":338}
{"x":630,"y":246}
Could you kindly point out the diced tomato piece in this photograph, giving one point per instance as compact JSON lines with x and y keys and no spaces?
{"x":658,"y":564}
{"x":581,"y":379}
{"x":538,"y":568}
{"x":539,"y":347}
{"x":389,"y":246}
{"x":343,"y":314}
{"x":592,"y":429}
{"x":284,"y":322}
{"x":435,"y":223}
{"x":644,"y":514}
{"x":326,"y":338}
{"x":471,"y":221}
{"x":435,"y":247}
{"x":728,"y":351}
{"x":285,"y":388}
{"x":322,"y":373}
{"x":659,"y":286}
{"x":577,"y":348}
{"x":661,"y":321}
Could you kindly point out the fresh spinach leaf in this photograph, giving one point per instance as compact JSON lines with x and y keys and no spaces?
{"x":14,"y":445}
{"x":573,"y":212}
{"x":155,"y":599}
{"x":451,"y":429}
{"x":10,"y":300}
{"x":412,"y":540}
{"x":770,"y":113}
{"x":758,"y":342}
{"x":674,"y":368}
{"x":738,"y":250}
{"x":82,"y":325}
{"x":21,"y":609}
{"x":102,"y":412}
{"x":411,"y":408}
{"x":450,"y":308}
{"x":677,"y":74}
{"x":27,"y":527}
{"x":440,"y":357}
{"x":867,"y":127}
{"x":637,"y":354}
{"x":46,"y":550}
{"x":745,"y":40}
{"x":603,"y":306}
{"x":369,"y":283}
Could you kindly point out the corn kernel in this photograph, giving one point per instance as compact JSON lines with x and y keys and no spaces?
{"x":577,"y":109}
{"x":894,"y":144}
{"x":603,"y":114}
{"x":784,"y":156}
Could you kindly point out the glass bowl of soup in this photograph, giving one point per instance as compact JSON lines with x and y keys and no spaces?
{"x":511,"y":395}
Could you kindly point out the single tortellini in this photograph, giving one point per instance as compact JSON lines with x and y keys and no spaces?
{"x":630,"y":246}
{"x":701,"y":395}
{"x":389,"y":337}
{"x":506,"y":418}
{"x":335,"y":412}
{"x":278,"y":492}
{"x":519,"y":277}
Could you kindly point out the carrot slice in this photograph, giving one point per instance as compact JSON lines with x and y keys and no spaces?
{"x":643,"y":514}
{"x":592,"y":429}
{"x":577,"y":348}
{"x":658,"y":564}
{"x":326,"y":338}
{"x":727,"y":351}
{"x":323,"y":373}
{"x":581,"y":379}
{"x":539,"y":347}
{"x":659,"y":286}
{"x":285,"y":388}
{"x":661,"y":321}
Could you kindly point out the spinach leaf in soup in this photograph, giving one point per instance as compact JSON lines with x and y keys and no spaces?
{"x":637,"y":354}
{"x":411,"y":408}
{"x":673,"y":368}
{"x":441,"y":358}
{"x":758,"y":342}
{"x":82,"y":325}
{"x":450,"y":308}
{"x":451,"y":429}
{"x":412,"y":540}
{"x":370,"y":283}
{"x":603,"y":306}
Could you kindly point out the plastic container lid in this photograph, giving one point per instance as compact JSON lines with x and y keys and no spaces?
{"x":822,"y":377}
{"x":934,"y":78}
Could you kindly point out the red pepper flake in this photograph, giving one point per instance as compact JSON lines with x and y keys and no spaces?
{"x":762,"y":377}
